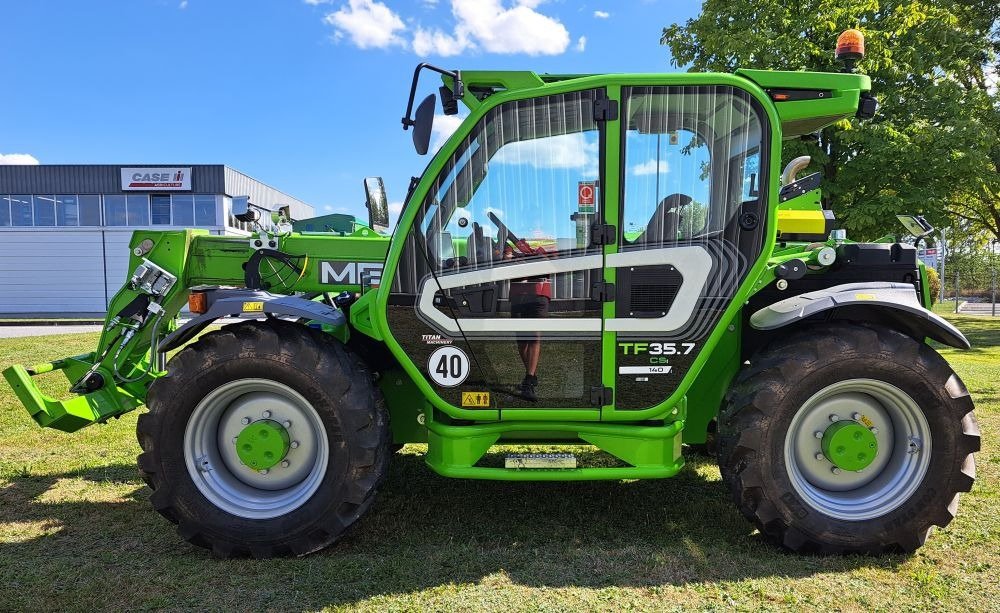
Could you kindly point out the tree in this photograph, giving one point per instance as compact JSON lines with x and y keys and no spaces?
{"x":933,"y":148}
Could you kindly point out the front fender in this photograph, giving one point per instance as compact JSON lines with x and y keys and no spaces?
{"x":893,"y":304}
{"x":243,"y":302}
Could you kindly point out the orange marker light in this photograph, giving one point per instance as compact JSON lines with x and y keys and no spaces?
{"x":850,"y":45}
{"x":197,"y":302}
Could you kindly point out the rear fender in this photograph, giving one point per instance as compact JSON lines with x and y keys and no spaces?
{"x":251,"y":303}
{"x":895,"y":305}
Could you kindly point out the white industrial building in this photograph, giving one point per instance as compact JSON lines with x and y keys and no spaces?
{"x":64,"y":230}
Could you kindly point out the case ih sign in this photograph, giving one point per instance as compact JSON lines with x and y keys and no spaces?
{"x":165,"y":179}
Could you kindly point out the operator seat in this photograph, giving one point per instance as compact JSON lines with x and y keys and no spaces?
{"x":665,"y":221}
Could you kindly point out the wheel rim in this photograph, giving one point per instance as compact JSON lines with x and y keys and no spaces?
{"x":213,"y":458}
{"x":902,"y":439}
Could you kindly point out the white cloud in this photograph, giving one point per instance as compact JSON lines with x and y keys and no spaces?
{"x":602,"y":14}
{"x":497,"y":28}
{"x":18,"y":159}
{"x":183,"y":4}
{"x":436,"y":42}
{"x":444,"y":127}
{"x":494,"y":27}
{"x":649,"y":167}
{"x":568,"y":151}
{"x":992,"y":79}
{"x":369,"y":24}
{"x":581,"y":43}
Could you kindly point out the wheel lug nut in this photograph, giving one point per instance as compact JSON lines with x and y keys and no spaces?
{"x":265,"y":414}
{"x":856,"y":417}
{"x":264,"y":472}
{"x":835,"y":417}
{"x":835,"y":470}
{"x":245,"y":421}
{"x":284,"y":463}
{"x":820,"y":456}
{"x":874,"y":430}
{"x":286,"y":424}
{"x":294,"y":444}
{"x":818,"y":434}
{"x":234,"y":440}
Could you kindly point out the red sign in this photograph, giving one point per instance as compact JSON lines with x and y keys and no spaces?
{"x":585,"y":193}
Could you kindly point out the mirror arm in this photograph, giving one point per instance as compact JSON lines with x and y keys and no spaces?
{"x":458,"y":88}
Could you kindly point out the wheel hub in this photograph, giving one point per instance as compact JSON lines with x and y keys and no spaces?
{"x":262,"y":444}
{"x":849,"y":445}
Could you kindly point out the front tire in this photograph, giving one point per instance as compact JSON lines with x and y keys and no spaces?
{"x":789,"y":481}
{"x":320,"y":408}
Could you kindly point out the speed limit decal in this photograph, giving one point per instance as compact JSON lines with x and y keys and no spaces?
{"x":448,"y":366}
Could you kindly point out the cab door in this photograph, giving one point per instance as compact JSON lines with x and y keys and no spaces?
{"x":691,"y":224}
{"x":493,"y":298}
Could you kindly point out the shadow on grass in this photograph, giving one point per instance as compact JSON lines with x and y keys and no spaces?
{"x":424,"y":532}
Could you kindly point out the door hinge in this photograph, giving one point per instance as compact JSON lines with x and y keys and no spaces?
{"x":605,"y":109}
{"x":603,"y":234}
{"x":601,"y":396}
{"x":602,"y":291}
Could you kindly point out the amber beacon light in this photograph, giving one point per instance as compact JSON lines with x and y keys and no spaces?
{"x":850,"y":47}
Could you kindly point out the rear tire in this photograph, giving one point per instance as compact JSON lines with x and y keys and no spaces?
{"x":297,"y":507}
{"x":926,"y":443}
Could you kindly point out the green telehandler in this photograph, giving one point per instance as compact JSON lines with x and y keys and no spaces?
{"x":612,"y":260}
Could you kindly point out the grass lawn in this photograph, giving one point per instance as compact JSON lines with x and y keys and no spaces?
{"x":77,"y":532}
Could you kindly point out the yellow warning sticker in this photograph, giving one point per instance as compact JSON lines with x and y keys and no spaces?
{"x":475,"y":399}
{"x":864,"y":296}
{"x":867,"y":422}
{"x":253,"y":307}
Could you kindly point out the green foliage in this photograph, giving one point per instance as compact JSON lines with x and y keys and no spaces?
{"x":934,"y":281}
{"x":934,"y":147}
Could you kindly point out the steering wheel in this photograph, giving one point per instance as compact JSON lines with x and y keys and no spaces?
{"x":506,"y":235}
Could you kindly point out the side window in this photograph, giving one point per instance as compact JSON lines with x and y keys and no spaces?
{"x":529,"y":170}
{"x":692,"y":157}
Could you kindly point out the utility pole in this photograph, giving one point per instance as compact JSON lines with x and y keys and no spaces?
{"x":956,"y":291}
{"x":944,"y":250}
{"x":993,"y":282}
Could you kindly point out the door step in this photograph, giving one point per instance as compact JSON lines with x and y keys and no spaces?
{"x":540,"y":460}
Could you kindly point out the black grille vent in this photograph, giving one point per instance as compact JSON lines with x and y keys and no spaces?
{"x":652,"y":290}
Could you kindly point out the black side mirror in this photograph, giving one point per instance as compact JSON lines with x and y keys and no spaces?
{"x":423,"y":121}
{"x":242,"y":210}
{"x":377,"y":203}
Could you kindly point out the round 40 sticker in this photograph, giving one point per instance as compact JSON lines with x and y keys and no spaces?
{"x":448,"y":366}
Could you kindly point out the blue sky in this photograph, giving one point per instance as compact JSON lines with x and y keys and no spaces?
{"x":305,"y":95}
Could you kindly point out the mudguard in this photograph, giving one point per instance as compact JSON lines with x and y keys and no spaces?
{"x":251,"y":303}
{"x":892,"y":304}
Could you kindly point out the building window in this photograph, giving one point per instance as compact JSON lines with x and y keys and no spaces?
{"x":182,"y":207}
{"x":45,"y":210}
{"x":67,"y":211}
{"x":138,"y":209}
{"x":204,"y":210}
{"x":5,"y":211}
{"x":20,"y":210}
{"x":114,"y":211}
{"x":90,"y":210}
{"x":160,"y":209}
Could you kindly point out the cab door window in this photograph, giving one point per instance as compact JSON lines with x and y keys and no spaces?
{"x":499,"y":255}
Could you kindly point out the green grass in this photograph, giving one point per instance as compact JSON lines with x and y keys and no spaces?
{"x":77,"y":532}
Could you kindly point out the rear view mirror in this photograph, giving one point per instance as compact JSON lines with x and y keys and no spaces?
{"x":242,"y":210}
{"x":423,"y":121}
{"x":916,"y":225}
{"x":376,"y":201}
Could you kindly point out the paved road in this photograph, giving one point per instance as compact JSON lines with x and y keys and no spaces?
{"x":977,"y":308}
{"x":22,"y":331}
